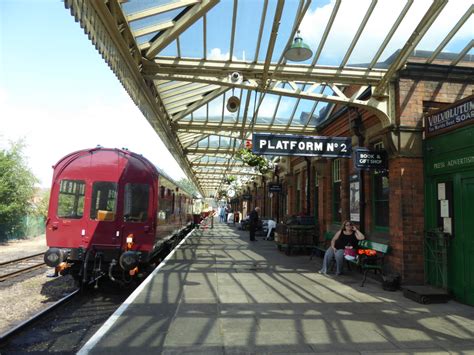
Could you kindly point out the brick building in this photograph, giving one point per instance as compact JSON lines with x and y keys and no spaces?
{"x":394,"y":199}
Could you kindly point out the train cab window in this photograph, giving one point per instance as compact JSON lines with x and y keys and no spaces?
{"x":136,"y":202}
{"x":71,"y":199}
{"x":104,"y":201}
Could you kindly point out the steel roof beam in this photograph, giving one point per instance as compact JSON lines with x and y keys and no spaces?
{"x":193,"y":70}
{"x":160,"y":9}
{"x":390,"y":34}
{"x":335,"y":9}
{"x":211,"y":165}
{"x":272,"y":40}
{"x":100,"y":23}
{"x":430,"y":16}
{"x":155,"y":28}
{"x":358,"y":33}
{"x":186,"y":110}
{"x":194,"y":14}
{"x":210,"y":128}
{"x":451,"y":33}
{"x":463,"y":53}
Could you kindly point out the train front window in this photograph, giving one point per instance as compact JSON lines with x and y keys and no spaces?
{"x":136,"y":202}
{"x":71,"y":199}
{"x":104,"y":201}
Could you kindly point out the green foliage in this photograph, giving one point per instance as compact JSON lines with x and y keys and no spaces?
{"x":41,"y":204}
{"x":16,"y":189}
{"x":256,"y":161}
{"x":230,"y":179}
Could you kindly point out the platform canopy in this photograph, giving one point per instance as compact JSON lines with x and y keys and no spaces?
{"x":181,"y":61}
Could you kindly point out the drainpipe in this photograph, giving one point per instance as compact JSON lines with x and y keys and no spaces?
{"x":356,"y":127}
{"x":308,"y":185}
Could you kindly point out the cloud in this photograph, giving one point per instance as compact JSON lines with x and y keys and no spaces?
{"x":216,"y":54}
{"x":53,"y":131}
{"x":350,"y":16}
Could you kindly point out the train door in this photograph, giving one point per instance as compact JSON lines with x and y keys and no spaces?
{"x":138,"y":201}
{"x":102,"y":224}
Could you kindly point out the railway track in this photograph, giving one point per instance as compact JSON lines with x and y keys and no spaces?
{"x":37,"y":316}
{"x":12,"y":268}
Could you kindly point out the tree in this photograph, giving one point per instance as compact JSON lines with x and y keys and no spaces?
{"x":17,"y":187}
{"x":41,"y":204}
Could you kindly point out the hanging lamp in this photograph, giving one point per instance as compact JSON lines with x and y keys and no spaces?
{"x":299,"y":51}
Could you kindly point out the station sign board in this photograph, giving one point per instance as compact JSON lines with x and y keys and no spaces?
{"x":459,"y":114}
{"x":292,"y":145}
{"x":370,"y":159}
{"x":274,"y":187}
{"x":247,"y":197}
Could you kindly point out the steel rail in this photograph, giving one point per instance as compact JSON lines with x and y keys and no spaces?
{"x":37,"y":316}
{"x":17,"y":263}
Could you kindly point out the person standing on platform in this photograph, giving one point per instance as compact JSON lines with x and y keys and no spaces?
{"x":253,"y":223}
{"x":222,"y":214}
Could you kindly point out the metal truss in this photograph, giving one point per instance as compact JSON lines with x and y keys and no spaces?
{"x":178,"y":96}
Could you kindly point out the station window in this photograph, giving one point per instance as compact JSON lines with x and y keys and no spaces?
{"x":104,"y":201}
{"x":71,"y":199}
{"x":162,"y":192}
{"x":380,"y":196}
{"x":336,"y":190}
{"x":136,"y":202}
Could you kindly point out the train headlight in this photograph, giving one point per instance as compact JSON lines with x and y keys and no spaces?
{"x":55,"y":256}
{"x":128,"y":260}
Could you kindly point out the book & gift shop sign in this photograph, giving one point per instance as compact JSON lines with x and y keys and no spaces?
{"x":370,"y":159}
{"x":459,"y":114}
{"x":281,"y":144}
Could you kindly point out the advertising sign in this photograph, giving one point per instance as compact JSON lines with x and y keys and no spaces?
{"x":370,"y":159}
{"x":282,"y":144}
{"x":456,"y":115}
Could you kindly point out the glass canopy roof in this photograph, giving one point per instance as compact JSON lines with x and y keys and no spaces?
{"x":194,"y":55}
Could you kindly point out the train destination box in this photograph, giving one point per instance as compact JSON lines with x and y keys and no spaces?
{"x":282,"y":144}
{"x":370,"y":159}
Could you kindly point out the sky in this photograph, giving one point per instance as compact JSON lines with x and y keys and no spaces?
{"x":58,"y":94}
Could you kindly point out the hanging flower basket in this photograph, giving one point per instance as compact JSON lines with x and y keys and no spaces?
{"x":258,"y":162}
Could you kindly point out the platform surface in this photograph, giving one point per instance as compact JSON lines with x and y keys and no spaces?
{"x":222,"y":294}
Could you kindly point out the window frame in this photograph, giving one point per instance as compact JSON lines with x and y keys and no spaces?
{"x":146,"y":215}
{"x":94,"y":202}
{"x":375,"y":226}
{"x":76,"y":201}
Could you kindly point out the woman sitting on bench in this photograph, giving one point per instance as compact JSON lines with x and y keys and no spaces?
{"x":347,"y":237}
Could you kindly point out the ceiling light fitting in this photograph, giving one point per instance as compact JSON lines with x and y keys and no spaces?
{"x":299,"y":51}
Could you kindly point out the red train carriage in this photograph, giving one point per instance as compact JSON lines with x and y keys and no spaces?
{"x":110,"y":212}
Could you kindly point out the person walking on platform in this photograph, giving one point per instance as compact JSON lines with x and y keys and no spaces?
{"x":253,"y":223}
{"x":347,"y":237}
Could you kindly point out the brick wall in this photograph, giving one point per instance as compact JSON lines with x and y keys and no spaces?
{"x":406,"y":218}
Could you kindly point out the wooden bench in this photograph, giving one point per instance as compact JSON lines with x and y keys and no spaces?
{"x":367,"y":263}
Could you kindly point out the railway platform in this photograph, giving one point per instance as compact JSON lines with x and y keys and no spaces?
{"x":219,"y":293}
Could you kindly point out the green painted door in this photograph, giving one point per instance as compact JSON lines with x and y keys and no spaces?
{"x":467,"y":236}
